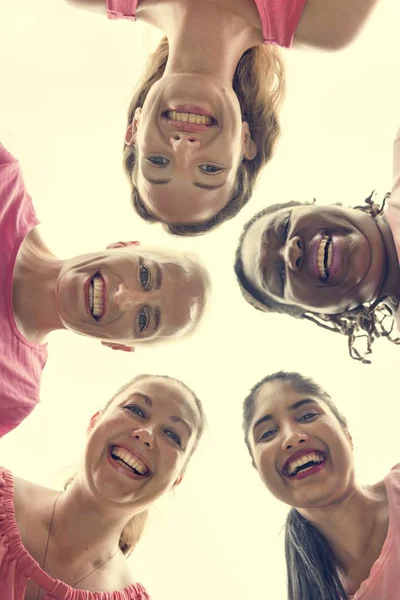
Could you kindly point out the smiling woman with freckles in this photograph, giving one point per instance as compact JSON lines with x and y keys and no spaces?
{"x":124,"y":296}
{"x":203,"y":121}
{"x":342,"y":539}
{"x":72,"y":545}
{"x":334,"y":266}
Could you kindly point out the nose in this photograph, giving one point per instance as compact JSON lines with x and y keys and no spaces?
{"x":293,"y":438}
{"x":183,"y":143}
{"x":124,"y":298}
{"x":144,"y":436}
{"x":294,"y":253}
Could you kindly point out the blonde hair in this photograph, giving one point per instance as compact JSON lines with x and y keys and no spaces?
{"x":133,"y":530}
{"x":259,"y":85}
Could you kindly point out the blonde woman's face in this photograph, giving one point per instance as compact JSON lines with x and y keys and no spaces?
{"x":138,"y":448}
{"x":187,"y":170}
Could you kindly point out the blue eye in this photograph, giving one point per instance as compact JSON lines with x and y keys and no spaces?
{"x":174,"y":436}
{"x":158,"y":161}
{"x":143,"y":319}
{"x":136,"y":410}
{"x":210,"y":168}
{"x":144,"y":276}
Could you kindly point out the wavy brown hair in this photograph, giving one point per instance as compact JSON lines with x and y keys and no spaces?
{"x":259,"y":85}
{"x":365,"y":323}
{"x":133,"y":530}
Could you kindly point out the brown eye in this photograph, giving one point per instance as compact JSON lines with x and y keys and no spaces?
{"x":285,"y":229}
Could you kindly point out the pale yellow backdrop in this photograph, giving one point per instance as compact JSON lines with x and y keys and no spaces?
{"x":65,"y":82}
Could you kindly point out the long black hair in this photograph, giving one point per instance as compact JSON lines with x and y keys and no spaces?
{"x":311,"y":569}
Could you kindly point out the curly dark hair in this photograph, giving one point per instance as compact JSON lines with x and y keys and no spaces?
{"x":367,"y":321}
{"x":259,"y":85}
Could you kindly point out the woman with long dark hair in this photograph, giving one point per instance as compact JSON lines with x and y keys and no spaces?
{"x":342,"y":539}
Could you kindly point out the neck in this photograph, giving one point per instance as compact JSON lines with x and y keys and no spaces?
{"x":85,"y":543}
{"x":34,"y":289}
{"x":348,"y":526}
{"x":205,"y":38}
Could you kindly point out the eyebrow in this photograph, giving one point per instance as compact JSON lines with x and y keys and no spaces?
{"x":203,"y":186}
{"x":268,"y":275}
{"x":292,"y":407}
{"x":158,"y":278}
{"x":157,"y":319}
{"x":157,"y":181}
{"x":173,"y":418}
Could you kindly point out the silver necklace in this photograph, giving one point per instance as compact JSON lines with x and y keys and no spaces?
{"x":47,"y":547}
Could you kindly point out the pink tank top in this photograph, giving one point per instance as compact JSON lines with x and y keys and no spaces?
{"x":17,"y":566}
{"x":383,"y":582}
{"x":21,"y":361}
{"x":279,"y":18}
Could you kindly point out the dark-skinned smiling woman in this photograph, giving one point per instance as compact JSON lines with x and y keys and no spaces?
{"x":342,"y":539}
{"x":203,"y":121}
{"x":337,"y":267}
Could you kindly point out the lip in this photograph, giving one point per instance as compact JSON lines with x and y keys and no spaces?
{"x":299,"y":454}
{"x":188,"y":127}
{"x":191,"y":108}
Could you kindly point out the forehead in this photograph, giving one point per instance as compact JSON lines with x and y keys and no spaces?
{"x":165,"y":395}
{"x":181,"y":202}
{"x":251,"y":246}
{"x":275,"y":397}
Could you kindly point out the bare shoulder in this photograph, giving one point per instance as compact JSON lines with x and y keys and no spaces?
{"x":98,"y":6}
{"x":332,"y":24}
{"x":28,"y":498}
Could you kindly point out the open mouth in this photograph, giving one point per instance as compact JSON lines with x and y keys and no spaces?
{"x":304,"y":463}
{"x":324,"y":257}
{"x":97,"y":296}
{"x":128,"y":460}
{"x":189,"y":117}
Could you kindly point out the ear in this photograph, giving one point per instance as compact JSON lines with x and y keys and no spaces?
{"x":178,"y":481}
{"x":249,"y":146}
{"x":122,"y":347}
{"x":130,"y":134}
{"x":121,"y":245}
{"x":348,"y":435}
{"x":93,"y":421}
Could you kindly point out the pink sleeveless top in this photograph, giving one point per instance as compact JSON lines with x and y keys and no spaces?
{"x":21,"y":361}
{"x":383,"y":582}
{"x":17,"y":566}
{"x":279,"y":18}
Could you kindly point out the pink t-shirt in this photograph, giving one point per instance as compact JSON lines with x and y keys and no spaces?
{"x":383,"y":582}
{"x":21,"y":361}
{"x":17,"y":566}
{"x":392,"y":211}
{"x":279,"y":18}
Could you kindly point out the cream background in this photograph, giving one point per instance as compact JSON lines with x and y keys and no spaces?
{"x":66,"y":80}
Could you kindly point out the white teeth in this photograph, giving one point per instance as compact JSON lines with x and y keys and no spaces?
{"x":130,"y":459}
{"x":96,"y":298}
{"x":321,"y":256}
{"x":317,"y":458}
{"x":189,"y":118}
